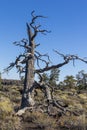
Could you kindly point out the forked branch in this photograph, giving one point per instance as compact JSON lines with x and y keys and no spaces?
{"x":66,"y":58}
{"x":36,"y":28}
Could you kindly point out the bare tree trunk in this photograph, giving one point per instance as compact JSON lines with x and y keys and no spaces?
{"x":27,"y":97}
{"x":47,"y":91}
{"x":28,"y":92}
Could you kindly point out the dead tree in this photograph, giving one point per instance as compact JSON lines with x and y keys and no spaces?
{"x":25,"y":63}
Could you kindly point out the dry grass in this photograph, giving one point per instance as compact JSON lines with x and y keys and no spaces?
{"x":42,"y":121}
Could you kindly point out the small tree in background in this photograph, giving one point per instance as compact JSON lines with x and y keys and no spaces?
{"x":54,"y":77}
{"x":51,"y":78}
{"x":45,"y":77}
{"x":70,"y":81}
{"x":81,"y":79}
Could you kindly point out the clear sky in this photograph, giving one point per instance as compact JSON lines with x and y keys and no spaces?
{"x":67,"y":19}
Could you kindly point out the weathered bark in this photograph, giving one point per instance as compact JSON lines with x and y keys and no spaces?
{"x":27,"y":97}
{"x":47,"y":92}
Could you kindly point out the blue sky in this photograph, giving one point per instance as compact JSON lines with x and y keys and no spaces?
{"x":67,"y":19}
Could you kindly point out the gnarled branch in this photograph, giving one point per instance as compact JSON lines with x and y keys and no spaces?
{"x":67,"y":59}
